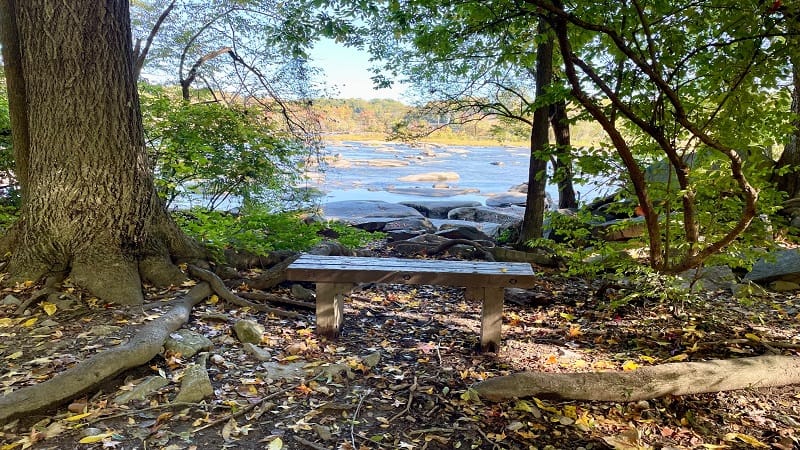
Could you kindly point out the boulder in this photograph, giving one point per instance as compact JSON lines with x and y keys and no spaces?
{"x":712,"y":278}
{"x":506,"y":199}
{"x":781,"y":265}
{"x":502,"y":216}
{"x":349,"y":211}
{"x":490,"y":229}
{"x":431,"y":176}
{"x":195,"y":384}
{"x":438,"y":209}
{"x":432,"y":191}
{"x":410,"y":224}
{"x":463,"y":232}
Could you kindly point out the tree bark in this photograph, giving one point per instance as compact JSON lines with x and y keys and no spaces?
{"x":562,"y":160}
{"x":90,"y":208}
{"x":532,"y":222}
{"x":648,"y":382}
{"x":789,"y":160}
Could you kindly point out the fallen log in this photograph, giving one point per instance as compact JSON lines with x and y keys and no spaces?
{"x":645,"y":383}
{"x":88,"y":375}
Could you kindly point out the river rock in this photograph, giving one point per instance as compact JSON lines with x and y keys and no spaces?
{"x":423,"y":244}
{"x":386,"y":163}
{"x":431,"y":176}
{"x":438,"y":209}
{"x":491,"y":229}
{"x":430,"y":192}
{"x":356,"y":212}
{"x":468,"y":232}
{"x":412,"y":224}
{"x":511,"y":214}
{"x":507,"y":199}
{"x":187,"y":343}
{"x":781,"y":265}
{"x":248,"y":331}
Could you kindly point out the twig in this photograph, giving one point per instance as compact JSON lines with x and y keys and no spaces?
{"x":131,"y":412}
{"x":408,"y":403}
{"x":224,"y":293}
{"x":272,"y":298}
{"x":309,"y":443}
{"x":355,"y":415}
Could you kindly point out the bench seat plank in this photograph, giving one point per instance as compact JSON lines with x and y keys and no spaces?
{"x":339,"y":269}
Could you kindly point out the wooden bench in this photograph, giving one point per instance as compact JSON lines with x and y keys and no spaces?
{"x":335,"y":277}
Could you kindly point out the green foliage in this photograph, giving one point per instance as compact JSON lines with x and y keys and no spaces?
{"x":217,"y":152}
{"x":259,"y":231}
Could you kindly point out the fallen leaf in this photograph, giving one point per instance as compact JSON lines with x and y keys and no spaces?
{"x":49,"y":308}
{"x":730,"y":437}
{"x":275,"y":444}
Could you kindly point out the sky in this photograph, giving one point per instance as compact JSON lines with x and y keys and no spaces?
{"x":347,"y":69}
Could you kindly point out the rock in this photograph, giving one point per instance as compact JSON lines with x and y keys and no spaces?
{"x":372,"y":359}
{"x":421,"y":245}
{"x":11,"y":300}
{"x":438,"y":209}
{"x":431,"y":192}
{"x":490,"y":229}
{"x":335,"y":372}
{"x":620,"y":229}
{"x":276,"y":371}
{"x":783,"y":286}
{"x":507,"y":199}
{"x":187,"y":343}
{"x":302,"y":293}
{"x":431,"y":176}
{"x":410,"y":224}
{"x":195,"y":384}
{"x":257,"y":352}
{"x":248,"y":331}
{"x":488,"y":214}
{"x":526,"y":297}
{"x":296,"y":348}
{"x":363,"y":212}
{"x":712,"y":278}
{"x":463,"y":232}
{"x":402,"y":235}
{"x":538,"y":256}
{"x":142,"y":390}
{"x":385,"y":162}
{"x":781,"y":265}
{"x":520,"y":188}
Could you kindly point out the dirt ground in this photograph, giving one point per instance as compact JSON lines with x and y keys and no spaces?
{"x":399,"y":376}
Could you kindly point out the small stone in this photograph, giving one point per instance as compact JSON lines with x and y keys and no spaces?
{"x":296,"y":348}
{"x":301,"y":293}
{"x":195,"y":384}
{"x":187,"y":343}
{"x":248,"y":331}
{"x":372,"y":359}
{"x":257,"y":352}
{"x":323,"y":432}
{"x":11,"y":300}
{"x":142,"y":390}
{"x":217,"y":359}
{"x":783,"y":286}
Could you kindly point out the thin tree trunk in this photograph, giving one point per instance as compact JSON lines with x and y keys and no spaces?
{"x":562,"y":162}
{"x":532,"y":223}
{"x":789,"y":160}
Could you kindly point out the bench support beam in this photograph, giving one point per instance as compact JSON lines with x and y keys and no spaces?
{"x":491,"y":314}
{"x":330,"y":308}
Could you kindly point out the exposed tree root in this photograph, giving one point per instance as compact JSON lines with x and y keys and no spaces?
{"x":480,"y":250}
{"x":222,"y":291}
{"x":273,"y":298}
{"x":87,"y":375}
{"x":277,"y":273}
{"x":647,"y":382}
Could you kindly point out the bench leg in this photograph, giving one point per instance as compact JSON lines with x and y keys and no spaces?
{"x":491,"y":315}
{"x":330,"y":308}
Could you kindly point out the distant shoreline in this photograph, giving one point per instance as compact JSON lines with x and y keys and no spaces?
{"x":382,"y":139}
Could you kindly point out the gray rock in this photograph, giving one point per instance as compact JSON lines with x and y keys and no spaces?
{"x":503,"y":216}
{"x":277,"y":371}
{"x":713,"y":278}
{"x":187,"y":343}
{"x":248,"y":331}
{"x":781,"y":265}
{"x":301,"y":293}
{"x":11,"y":300}
{"x":402,"y":235}
{"x":410,"y":224}
{"x":438,"y":209}
{"x":349,"y":211}
{"x":142,"y":390}
{"x":526,"y":297}
{"x":431,"y":176}
{"x":506,"y":199}
{"x":463,"y":232}
{"x":490,"y":229}
{"x":444,"y":191}
{"x":423,"y":244}
{"x":257,"y":352}
{"x":195,"y":384}
{"x":384,"y":163}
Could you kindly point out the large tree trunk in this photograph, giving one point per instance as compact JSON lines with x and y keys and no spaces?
{"x":786,"y":174}
{"x":532,"y":223}
{"x":90,"y":208}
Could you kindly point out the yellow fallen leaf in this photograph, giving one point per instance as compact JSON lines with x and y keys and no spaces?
{"x":752,"y":337}
{"x":49,"y":308}
{"x":648,"y":359}
{"x":275,"y":444}
{"x":629,"y":366}
{"x":78,"y":417}
{"x":6,"y":322}
{"x":29,"y":323}
{"x":213,"y":299}
{"x":13,"y":445}
{"x":679,"y":357}
{"x":750,"y":440}
{"x":96,"y":438}
{"x":14,"y":355}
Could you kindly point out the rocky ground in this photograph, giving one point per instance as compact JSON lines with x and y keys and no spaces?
{"x":399,"y":377}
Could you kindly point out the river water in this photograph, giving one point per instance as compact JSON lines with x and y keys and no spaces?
{"x":380,"y":171}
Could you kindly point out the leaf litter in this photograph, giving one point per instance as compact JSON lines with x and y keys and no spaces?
{"x":399,"y":377}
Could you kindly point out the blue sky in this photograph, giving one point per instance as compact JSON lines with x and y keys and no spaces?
{"x":347,"y":69}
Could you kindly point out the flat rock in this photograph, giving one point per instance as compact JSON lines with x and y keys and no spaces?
{"x":248,"y":331}
{"x":187,"y":343}
{"x":350,"y":211}
{"x":257,"y":352}
{"x":431,"y":176}
{"x":783,"y":286}
{"x":290,"y":371}
{"x":490,"y":229}
{"x":438,"y":209}
{"x":431,"y":192}
{"x":386,"y":163}
{"x":505,"y":199}
{"x":463,"y":232}
{"x":142,"y":390}
{"x":410,"y":224}
{"x":511,"y":214}
{"x":781,"y":265}
{"x":620,"y":229}
{"x":195,"y":385}
{"x":712,"y":278}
